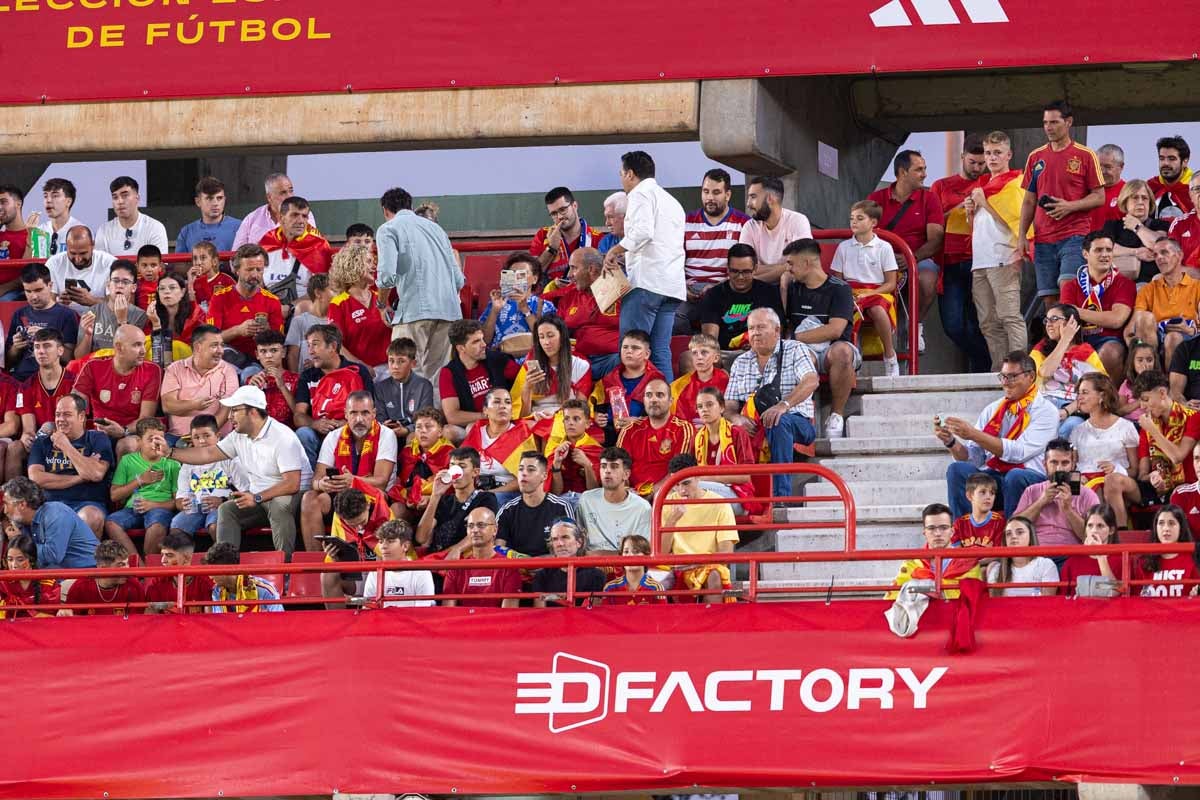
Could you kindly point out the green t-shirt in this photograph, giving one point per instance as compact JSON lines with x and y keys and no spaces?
{"x":162,"y":491}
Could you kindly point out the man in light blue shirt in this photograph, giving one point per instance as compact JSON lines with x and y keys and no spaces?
{"x":416,"y":258}
{"x":64,"y":541}
{"x":213,"y":226}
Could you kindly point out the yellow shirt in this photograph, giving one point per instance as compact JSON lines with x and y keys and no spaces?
{"x":1166,"y":302}
{"x":718,"y":515}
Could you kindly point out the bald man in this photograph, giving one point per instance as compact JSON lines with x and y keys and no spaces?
{"x":84,"y":266}
{"x":481,"y":580}
{"x":121,"y":388}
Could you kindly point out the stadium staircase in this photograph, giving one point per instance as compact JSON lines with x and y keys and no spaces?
{"x":892,"y":464}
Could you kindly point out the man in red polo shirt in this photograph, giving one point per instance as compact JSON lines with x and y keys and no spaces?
{"x":654,"y":438}
{"x":959,"y":320}
{"x":1062,"y":185}
{"x":245,"y":309}
{"x":566,"y":233}
{"x":913,"y":213}
{"x":596,"y":333}
{"x":122,"y":388}
{"x":1186,"y":229}
{"x":1170,"y":185}
{"x":1112,"y":164}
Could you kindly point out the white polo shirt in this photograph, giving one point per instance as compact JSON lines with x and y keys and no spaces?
{"x":864,"y":263}
{"x":266,"y":457}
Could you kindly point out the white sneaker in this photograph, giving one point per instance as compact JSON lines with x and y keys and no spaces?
{"x":920,"y":338}
{"x":891,"y":367}
{"x":835,"y":426}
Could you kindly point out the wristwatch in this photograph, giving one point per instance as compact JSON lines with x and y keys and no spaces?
{"x":258,"y":498}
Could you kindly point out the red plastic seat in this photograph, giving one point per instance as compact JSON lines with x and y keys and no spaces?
{"x":266,"y":557}
{"x":306,"y":585}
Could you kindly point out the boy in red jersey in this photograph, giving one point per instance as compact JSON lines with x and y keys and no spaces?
{"x":277,"y":382}
{"x":982,"y":527}
{"x":115,"y":593}
{"x":706,"y":354}
{"x":177,"y":551}
{"x":204,"y":276}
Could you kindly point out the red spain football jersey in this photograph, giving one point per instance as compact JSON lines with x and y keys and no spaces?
{"x":34,"y":398}
{"x":118,"y":397}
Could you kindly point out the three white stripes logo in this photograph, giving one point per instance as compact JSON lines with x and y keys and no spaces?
{"x":937,"y":12}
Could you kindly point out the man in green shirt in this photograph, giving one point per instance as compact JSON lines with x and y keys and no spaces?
{"x":145,"y":482}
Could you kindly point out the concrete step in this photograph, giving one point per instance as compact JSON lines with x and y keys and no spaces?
{"x":911,"y":467}
{"x":934,"y":383}
{"x":880,"y":445}
{"x":885,"y":536}
{"x":858,"y":427}
{"x":959,"y":403}
{"x":886,"y":513}
{"x":881,"y":493}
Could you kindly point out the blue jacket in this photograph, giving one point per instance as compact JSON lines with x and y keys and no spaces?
{"x":64,"y":541}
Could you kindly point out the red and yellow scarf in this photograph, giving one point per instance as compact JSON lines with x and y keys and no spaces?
{"x":727,"y":453}
{"x":343,"y":452}
{"x":1020,"y":409}
{"x":417,"y":467}
{"x":1173,"y":429}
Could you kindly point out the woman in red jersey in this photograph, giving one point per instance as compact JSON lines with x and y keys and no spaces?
{"x":1169,"y":574}
{"x":1099,"y":527}
{"x":15,"y":595}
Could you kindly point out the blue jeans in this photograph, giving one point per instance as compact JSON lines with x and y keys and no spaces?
{"x":959,"y":319}
{"x":792,"y":429}
{"x":1056,"y":263}
{"x":602,"y":365}
{"x":128,"y":519}
{"x":193,"y":521}
{"x":654,"y":314}
{"x":1010,"y":484}
{"x":311,"y":440}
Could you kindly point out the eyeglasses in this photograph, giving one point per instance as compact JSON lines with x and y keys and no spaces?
{"x":1010,"y":377}
{"x":128,"y":239}
{"x":121,"y":282}
{"x":1048,"y":320}
{"x":741,"y":272}
{"x":559,"y":212}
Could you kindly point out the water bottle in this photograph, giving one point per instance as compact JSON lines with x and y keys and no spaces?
{"x":616,"y":400}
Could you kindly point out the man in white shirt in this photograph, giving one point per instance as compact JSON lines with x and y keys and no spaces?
{"x":653,"y":253}
{"x":125,"y":234}
{"x":82,"y":261}
{"x":264,"y":219}
{"x":58,"y":198}
{"x":771,"y":227}
{"x":275,"y":465}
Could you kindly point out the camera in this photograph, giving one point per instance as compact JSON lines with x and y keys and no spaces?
{"x":1069,"y":479}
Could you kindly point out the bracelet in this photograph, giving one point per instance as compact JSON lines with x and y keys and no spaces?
{"x":556,"y":469}
{"x":950,"y":444}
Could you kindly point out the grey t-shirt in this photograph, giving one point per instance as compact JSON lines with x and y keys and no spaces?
{"x":297,"y":330}
{"x":106,"y":324}
{"x":607,"y":523}
{"x":399,"y":401}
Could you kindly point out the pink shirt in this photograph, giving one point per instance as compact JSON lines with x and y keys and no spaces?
{"x":769,"y":244}
{"x":1052,"y":526}
{"x":181,"y":376}
{"x":257,"y":224}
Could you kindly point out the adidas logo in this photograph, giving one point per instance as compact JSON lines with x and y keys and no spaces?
{"x":937,"y":12}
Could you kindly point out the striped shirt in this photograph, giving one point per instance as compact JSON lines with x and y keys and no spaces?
{"x":706,"y":246}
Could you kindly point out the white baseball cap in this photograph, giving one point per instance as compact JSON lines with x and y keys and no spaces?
{"x":246,"y":396}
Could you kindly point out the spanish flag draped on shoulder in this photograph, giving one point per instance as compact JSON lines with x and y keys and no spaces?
{"x":507,"y":447}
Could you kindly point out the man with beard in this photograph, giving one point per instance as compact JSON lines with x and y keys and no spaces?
{"x":361,"y":448}
{"x":276,"y":468}
{"x":709,"y":232}
{"x":1170,"y":186}
{"x":84,"y":266}
{"x":295,"y":252}
{"x":14,"y":239}
{"x":771,"y":227}
{"x":959,"y":319}
{"x":245,"y":309}
{"x":654,"y":438}
{"x":567,"y":233}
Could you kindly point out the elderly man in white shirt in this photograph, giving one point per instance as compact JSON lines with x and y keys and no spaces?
{"x":1007,"y":441}
{"x":273,"y":460}
{"x":653,"y":253}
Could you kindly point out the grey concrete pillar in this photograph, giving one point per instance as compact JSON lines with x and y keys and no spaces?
{"x":172,"y":181}
{"x":23,"y":173}
{"x":1133,"y":791}
{"x":802,"y":129}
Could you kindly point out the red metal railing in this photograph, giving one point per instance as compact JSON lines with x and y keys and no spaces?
{"x":752,"y":593}
{"x":843,"y":496}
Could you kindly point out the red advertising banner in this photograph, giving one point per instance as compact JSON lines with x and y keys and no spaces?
{"x":83,"y":50}
{"x":455,"y":701}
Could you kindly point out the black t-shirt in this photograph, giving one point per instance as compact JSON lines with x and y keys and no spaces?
{"x":526,"y":529}
{"x":728,"y":310}
{"x":554,"y":581}
{"x":1115,"y":229}
{"x":831,"y":300}
{"x":1186,"y":361}
{"x":450,"y":524}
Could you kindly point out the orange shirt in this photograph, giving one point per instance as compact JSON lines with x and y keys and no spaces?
{"x":1167,"y":302}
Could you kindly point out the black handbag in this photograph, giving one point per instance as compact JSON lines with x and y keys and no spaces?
{"x":771,"y":394}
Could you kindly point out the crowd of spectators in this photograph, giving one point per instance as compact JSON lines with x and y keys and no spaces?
{"x":340,"y":393}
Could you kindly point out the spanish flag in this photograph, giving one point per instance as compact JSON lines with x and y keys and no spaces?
{"x":310,"y":248}
{"x":379,"y":512}
{"x":508,"y":448}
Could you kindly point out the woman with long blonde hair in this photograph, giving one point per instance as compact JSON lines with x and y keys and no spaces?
{"x":355,"y":308}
